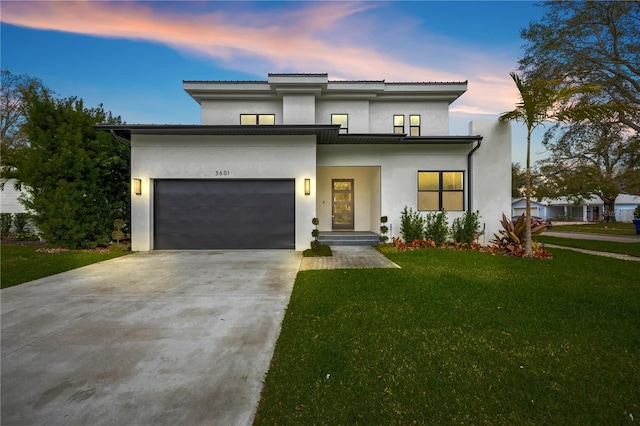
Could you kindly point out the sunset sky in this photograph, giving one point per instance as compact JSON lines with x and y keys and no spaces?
{"x":133,"y":56}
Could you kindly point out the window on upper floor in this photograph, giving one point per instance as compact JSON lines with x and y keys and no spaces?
{"x":398,"y":124}
{"x":440,"y":190}
{"x":414,"y":125}
{"x":257,"y":119}
{"x":342,"y":120}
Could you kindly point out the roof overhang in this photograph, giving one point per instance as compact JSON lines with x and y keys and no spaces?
{"x":326,"y":134}
{"x":319,"y":85}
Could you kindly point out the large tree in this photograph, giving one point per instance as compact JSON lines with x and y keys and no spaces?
{"x":599,"y":158}
{"x":582,"y":43}
{"x":76,"y":179}
{"x":12,"y":118}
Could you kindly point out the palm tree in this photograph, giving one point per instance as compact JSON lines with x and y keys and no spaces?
{"x":541,"y":101}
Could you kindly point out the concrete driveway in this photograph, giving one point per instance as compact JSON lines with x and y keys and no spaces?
{"x":150,"y":338}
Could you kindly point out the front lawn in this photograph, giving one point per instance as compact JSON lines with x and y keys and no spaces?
{"x":20,"y":264}
{"x":460,"y":337}
{"x":617,"y":228}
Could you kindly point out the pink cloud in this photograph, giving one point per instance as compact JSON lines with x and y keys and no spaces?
{"x":299,"y":39}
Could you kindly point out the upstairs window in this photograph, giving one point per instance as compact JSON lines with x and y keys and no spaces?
{"x":441,"y":191}
{"x":257,"y":119}
{"x":342,"y":120}
{"x":414,"y":125}
{"x":398,"y":124}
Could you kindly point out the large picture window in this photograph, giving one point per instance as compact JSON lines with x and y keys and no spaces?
{"x":440,"y":190}
{"x":257,"y":119}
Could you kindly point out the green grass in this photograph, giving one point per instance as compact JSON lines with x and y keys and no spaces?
{"x":460,"y":337}
{"x":617,"y":228}
{"x":23,"y":263}
{"x":631,"y":249}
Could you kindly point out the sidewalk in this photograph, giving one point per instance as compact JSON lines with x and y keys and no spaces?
{"x":596,"y":253}
{"x":594,"y":237}
{"x":348,"y":257}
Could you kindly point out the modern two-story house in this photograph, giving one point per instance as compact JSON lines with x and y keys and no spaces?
{"x":271,"y":155}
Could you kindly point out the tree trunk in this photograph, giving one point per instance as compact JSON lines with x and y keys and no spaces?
{"x":609,"y":210}
{"x":528,"y":250}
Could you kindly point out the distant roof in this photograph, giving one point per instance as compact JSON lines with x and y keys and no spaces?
{"x":593,"y":200}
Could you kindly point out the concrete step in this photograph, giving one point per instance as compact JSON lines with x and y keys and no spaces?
{"x":349,"y":239}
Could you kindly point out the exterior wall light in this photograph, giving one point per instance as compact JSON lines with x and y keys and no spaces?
{"x":137,"y":186}
{"x":307,"y":186}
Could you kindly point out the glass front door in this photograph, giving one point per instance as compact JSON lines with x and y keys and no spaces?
{"x":342,"y":209}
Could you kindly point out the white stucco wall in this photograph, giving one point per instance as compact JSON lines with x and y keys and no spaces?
{"x":434,"y":116}
{"x":228,"y":112}
{"x":491,"y":174}
{"x":200,"y":157}
{"x":358,"y":111}
{"x":298,"y":109}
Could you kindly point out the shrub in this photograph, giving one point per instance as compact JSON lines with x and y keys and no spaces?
{"x":636,"y":213}
{"x":383,"y":230}
{"x":436,"y":228}
{"x":322,"y":250}
{"x":6,"y":220}
{"x":316,"y":246}
{"x":511,"y":240}
{"x":118,"y":235}
{"x":411,"y":225}
{"x":20,"y":222}
{"x":466,"y":229}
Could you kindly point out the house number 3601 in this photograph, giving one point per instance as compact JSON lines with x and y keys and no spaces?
{"x":223,"y":172}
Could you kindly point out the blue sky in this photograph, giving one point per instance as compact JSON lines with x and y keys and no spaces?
{"x":133,"y":56}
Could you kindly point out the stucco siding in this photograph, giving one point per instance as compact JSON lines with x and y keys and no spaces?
{"x":357,"y":110}
{"x":228,"y":112}
{"x":298,"y":109}
{"x":491,"y":174}
{"x":208,"y":157}
{"x":434,"y":116}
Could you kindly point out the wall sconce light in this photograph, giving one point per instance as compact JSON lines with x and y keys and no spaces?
{"x":137,"y":186}
{"x":307,"y":186}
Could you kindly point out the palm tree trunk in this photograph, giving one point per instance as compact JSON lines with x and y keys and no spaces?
{"x":528,"y":251}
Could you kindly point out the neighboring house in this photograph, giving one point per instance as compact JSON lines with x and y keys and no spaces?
{"x":590,"y":210}
{"x":271,"y":155}
{"x":9,"y":199}
{"x":625,"y":206}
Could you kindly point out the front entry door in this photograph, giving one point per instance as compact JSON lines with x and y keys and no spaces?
{"x":342,"y":209}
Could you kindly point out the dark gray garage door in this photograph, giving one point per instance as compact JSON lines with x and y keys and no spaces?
{"x":224,"y":214}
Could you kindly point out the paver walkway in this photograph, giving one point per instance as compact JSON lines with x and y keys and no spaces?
{"x":348,"y":257}
{"x":593,"y":236}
